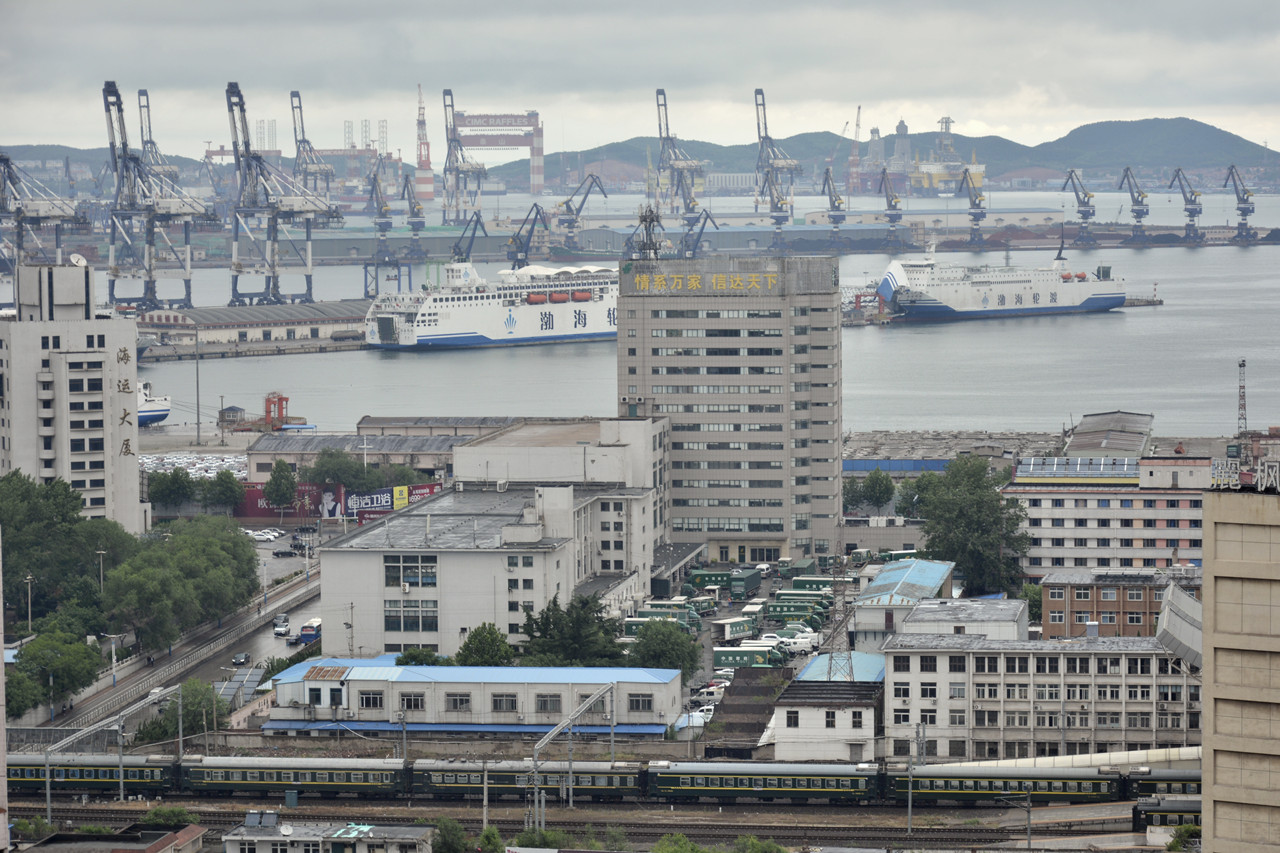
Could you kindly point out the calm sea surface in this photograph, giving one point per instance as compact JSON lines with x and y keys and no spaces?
{"x":1178,"y":361}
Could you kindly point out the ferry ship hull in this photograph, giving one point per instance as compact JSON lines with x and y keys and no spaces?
{"x":923,"y":292}
{"x":540,"y":307}
{"x":151,"y":409}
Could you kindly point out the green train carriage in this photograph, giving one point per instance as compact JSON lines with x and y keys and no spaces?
{"x":987,"y":783}
{"x":599,"y":781}
{"x":144,"y":775}
{"x":691,"y":781}
{"x":328,"y":777}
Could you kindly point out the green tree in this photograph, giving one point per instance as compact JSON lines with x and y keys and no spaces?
{"x":450,"y":837}
{"x":400,"y":475}
{"x":22,"y":693}
{"x":677,"y":843}
{"x":1031,"y":593}
{"x":40,"y":522}
{"x":485,"y":646}
{"x":421,"y":657}
{"x":170,"y":816}
{"x":339,"y":467}
{"x":578,"y":635}
{"x":615,"y":838}
{"x":665,"y":644}
{"x":851,"y":493}
{"x":1183,"y":835}
{"x":217,"y":560}
{"x":908,"y":502}
{"x":967,"y":520}
{"x":223,"y":491}
{"x":72,"y":663}
{"x":751,"y":844}
{"x":550,"y":839}
{"x":282,"y":487}
{"x":171,"y":489}
{"x":200,"y":707}
{"x":877,"y":489}
{"x":150,"y":597}
{"x":490,"y":841}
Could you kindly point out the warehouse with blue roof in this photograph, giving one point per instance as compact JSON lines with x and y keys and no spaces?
{"x":329,"y":697}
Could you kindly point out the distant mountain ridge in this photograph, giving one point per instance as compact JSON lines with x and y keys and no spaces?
{"x":1152,"y":146}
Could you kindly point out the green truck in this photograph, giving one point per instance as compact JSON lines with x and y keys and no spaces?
{"x":631,"y":626}
{"x":735,"y":656}
{"x":819,"y":582}
{"x":786,"y":611}
{"x":744,"y":584}
{"x":726,"y":632}
{"x":797,"y":568}
{"x":703,"y":578}
{"x":703,"y":605}
{"x":825,"y":598}
{"x":684,"y":616}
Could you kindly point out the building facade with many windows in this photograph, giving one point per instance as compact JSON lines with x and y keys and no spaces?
{"x":1110,"y":513}
{"x":1242,"y":667}
{"x":1121,"y":603}
{"x":69,"y":393}
{"x":743,"y":355}
{"x":978,"y":698}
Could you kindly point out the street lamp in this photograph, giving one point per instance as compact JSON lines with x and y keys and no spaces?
{"x":113,"y":638}
{"x":100,"y":554}
{"x":29,"y":580}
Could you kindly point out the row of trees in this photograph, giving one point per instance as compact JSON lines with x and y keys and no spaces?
{"x":222,"y":493}
{"x":451,"y":837}
{"x":90,"y":577}
{"x":577,"y":635}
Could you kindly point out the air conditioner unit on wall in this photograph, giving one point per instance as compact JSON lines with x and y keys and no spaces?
{"x":625,"y":399}
{"x":404,"y":587}
{"x":639,"y":399}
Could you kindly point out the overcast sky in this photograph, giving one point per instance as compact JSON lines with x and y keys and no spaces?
{"x":1028,"y":71}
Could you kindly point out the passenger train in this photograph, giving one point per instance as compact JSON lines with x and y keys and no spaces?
{"x":655,"y":781}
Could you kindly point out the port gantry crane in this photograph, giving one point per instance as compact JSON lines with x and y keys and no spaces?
{"x":308,"y":169}
{"x":1084,"y":209}
{"x":569,"y":211}
{"x":462,"y":175}
{"x":1137,"y":205}
{"x":836,"y":213}
{"x":147,"y":203}
{"x":681,"y":170}
{"x":28,"y":205}
{"x":691,"y":239}
{"x":892,"y":211}
{"x":1244,"y":205}
{"x":269,"y":195}
{"x":417,"y":221}
{"x":1191,"y":206}
{"x":521,"y":242}
{"x":462,"y":254}
{"x":642,"y":244}
{"x":774,"y":168}
{"x":977,"y":212}
{"x":379,"y":208}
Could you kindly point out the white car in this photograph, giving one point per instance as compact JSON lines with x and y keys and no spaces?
{"x":263,"y":536}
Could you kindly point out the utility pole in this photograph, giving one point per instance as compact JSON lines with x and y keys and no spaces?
{"x":101,"y":587}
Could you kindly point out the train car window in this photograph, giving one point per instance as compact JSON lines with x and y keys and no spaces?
{"x":306,"y":776}
{"x":699,"y":781}
{"x":73,"y":773}
{"x":968,"y":785}
{"x":1193,"y":788}
{"x":286,"y":775}
{"x":744,"y":783}
{"x":253,"y":775}
{"x":684,"y":782}
{"x":1055,"y":786}
{"x":1073,"y":786}
{"x":1042,"y":786}
{"x":771,"y":782}
{"x":1162,"y":787}
{"x":133,"y":774}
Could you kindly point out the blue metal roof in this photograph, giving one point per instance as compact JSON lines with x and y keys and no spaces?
{"x":383,"y":668}
{"x":905,"y":582}
{"x":865,"y":666}
{"x":357,"y":727}
{"x":896,"y":466}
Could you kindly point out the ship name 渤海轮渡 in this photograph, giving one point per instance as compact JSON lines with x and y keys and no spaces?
{"x":1225,"y":475}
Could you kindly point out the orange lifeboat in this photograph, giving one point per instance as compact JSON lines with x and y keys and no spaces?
{"x":1081,"y":276}
{"x":582,"y":296}
{"x":559,"y":297}
{"x":1066,"y":276}
{"x":536,"y":298}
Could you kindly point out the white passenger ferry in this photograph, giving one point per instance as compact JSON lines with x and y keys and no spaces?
{"x":532,"y":305}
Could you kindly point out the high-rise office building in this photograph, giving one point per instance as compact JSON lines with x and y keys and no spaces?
{"x":1241,"y":765}
{"x":743,"y":355}
{"x":69,"y":393}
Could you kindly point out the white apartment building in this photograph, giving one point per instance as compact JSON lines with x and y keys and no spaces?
{"x":538,"y":511}
{"x":69,"y":393}
{"x":994,"y":618}
{"x":1116,"y":513}
{"x":743,"y":355}
{"x":978,"y":698}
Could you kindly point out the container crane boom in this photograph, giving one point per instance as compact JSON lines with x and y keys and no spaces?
{"x":520,"y":242}
{"x":1084,"y":208}
{"x":308,"y":169}
{"x":835,"y":204}
{"x":1244,"y":205}
{"x":1137,"y":205}
{"x":773,"y":166}
{"x":474,"y":223}
{"x":1190,"y":205}
{"x":977,"y":212}
{"x":569,"y":211}
{"x":462,"y":175}
{"x":681,"y":169}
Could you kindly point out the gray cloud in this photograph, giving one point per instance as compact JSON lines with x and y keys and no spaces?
{"x":1026,"y":71}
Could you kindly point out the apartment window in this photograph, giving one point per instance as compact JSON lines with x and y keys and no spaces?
{"x":1134,"y":594}
{"x":457,"y":701}
{"x":985,"y":663}
{"x":1019,"y":663}
{"x":371,"y":699}
{"x":831,"y":719}
{"x":639,"y":701}
{"x":1058,"y":503}
{"x":1082,"y":522}
{"x":928,"y":663}
{"x":929,"y":690}
{"x":901,"y":690}
{"x":1107,"y":593}
{"x":901,"y":663}
{"x":955,"y":690}
{"x":1082,"y":595}
{"x":1104,"y":503}
{"x":1059,"y":522}
{"x":413,"y":701}
{"x":1057,"y":593}
{"x":1046,"y":663}
{"x":1056,"y":617}
{"x":548,"y":703}
{"x":504,"y":702}
{"x":856,"y":721}
{"x":1133,"y":618}
{"x":793,"y":719}
{"x":1126,"y":503}
{"x":1139,"y":666}
{"x":1107,"y":618}
{"x":1104,"y":543}
{"x":956,"y":663}
{"x":901,"y":717}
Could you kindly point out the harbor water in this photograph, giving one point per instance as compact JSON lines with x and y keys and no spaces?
{"x":1177,"y":361}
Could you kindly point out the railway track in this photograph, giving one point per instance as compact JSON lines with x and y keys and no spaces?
{"x":643,"y":830}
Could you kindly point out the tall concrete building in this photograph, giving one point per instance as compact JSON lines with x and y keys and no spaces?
{"x":743,"y":355}
{"x":69,"y":393}
{"x":1241,"y":797}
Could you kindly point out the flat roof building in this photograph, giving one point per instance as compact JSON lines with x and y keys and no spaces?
{"x":1121,"y":603}
{"x":888,"y":598}
{"x":744,"y":356}
{"x":995,"y":618}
